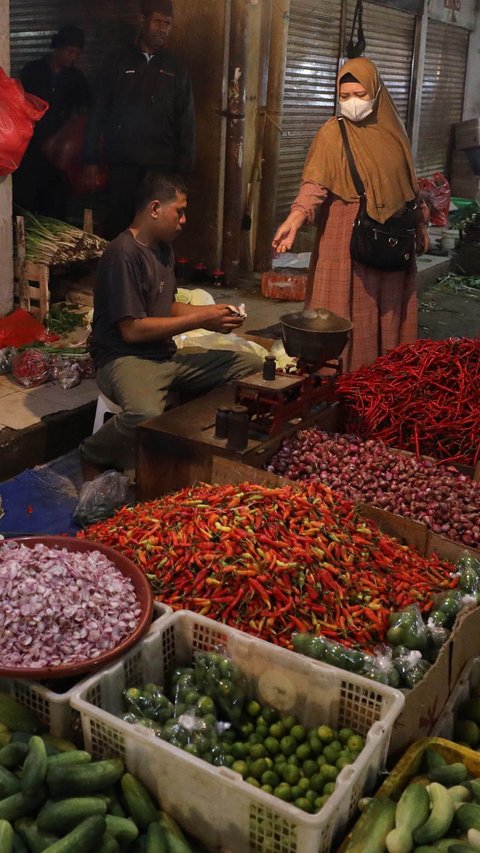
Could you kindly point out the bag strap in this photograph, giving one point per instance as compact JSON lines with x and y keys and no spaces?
{"x":351,"y":162}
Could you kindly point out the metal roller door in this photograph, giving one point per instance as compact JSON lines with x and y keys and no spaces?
{"x":390,"y":38}
{"x":442,"y":94}
{"x":309,"y":89}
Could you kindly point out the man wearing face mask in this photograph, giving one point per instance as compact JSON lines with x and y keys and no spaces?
{"x":381,"y":304}
{"x":142,"y":118}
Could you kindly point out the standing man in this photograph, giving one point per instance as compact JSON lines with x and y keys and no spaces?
{"x":134,"y":320}
{"x":38,"y":185}
{"x":142,"y":118}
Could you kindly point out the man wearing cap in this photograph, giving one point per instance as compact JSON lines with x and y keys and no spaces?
{"x":142,"y":117}
{"x":37,"y":185}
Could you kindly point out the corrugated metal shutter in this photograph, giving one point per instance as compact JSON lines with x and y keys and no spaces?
{"x":106,"y":25}
{"x":309,"y":89}
{"x":442,"y":94}
{"x":390,"y":38}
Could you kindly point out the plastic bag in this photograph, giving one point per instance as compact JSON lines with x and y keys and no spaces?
{"x":219,"y":678}
{"x":380,"y":666}
{"x":410,"y":666}
{"x":31,"y":367}
{"x":215,"y":340}
{"x":407,"y":628}
{"x":19,"y":111}
{"x":329,"y":651}
{"x":99,"y":498}
{"x":435,"y":191}
{"x":19,"y":328}
{"x":64,"y":150}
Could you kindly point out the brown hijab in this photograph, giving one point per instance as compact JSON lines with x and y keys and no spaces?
{"x":380,"y":148}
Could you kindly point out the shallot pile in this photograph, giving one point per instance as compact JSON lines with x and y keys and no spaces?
{"x":61,"y":607}
{"x":423,"y":397}
{"x":369,"y":471}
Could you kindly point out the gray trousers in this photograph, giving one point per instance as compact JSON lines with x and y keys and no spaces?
{"x":140,"y":388}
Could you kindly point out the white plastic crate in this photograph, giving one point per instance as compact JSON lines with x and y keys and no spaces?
{"x":467,"y":680}
{"x":214,"y":803}
{"x":53,"y":707}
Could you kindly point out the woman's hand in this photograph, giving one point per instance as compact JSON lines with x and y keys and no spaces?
{"x":422,"y":239}
{"x":287,"y":231}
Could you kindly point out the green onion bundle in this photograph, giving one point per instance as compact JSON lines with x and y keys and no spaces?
{"x":50,"y":241}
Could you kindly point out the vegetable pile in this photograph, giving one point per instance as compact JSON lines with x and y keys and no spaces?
{"x":204,"y":710}
{"x":423,"y":397}
{"x":274,"y":561}
{"x":51,"y":241}
{"x":61,"y":607}
{"x":370,"y":471}
{"x":55,"y":797}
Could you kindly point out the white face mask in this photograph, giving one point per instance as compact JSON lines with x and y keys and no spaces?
{"x":356,"y":109}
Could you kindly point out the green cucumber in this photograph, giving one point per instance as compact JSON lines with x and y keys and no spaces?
{"x":441,"y":815}
{"x":61,"y":816}
{"x":17,"y":717}
{"x":19,"y":805}
{"x":474,"y":785}
{"x":35,"y":840}
{"x":87,"y":836}
{"x":109,"y":844}
{"x":84,"y":778}
{"x":139,"y":802}
{"x":122,"y":828}
{"x":35,"y":766}
{"x":467,"y":816}
{"x":371,"y":830}
{"x":177,"y":843}
{"x":6,"y":836}
{"x":72,"y":756}
{"x":13,"y":755}
{"x":413,"y":809}
{"x":157,"y":840}
{"x":449,"y":775}
{"x":434,"y":759}
{"x":9,"y":783}
{"x":19,"y":845}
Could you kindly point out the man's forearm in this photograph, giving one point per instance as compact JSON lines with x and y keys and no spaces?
{"x":141,"y":330}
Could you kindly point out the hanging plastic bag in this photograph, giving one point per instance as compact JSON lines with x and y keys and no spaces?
{"x":64,"y":150}
{"x":357,"y":48}
{"x":435,"y":191}
{"x":19,"y":111}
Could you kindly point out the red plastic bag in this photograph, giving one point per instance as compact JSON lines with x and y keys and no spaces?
{"x":31,"y":367}
{"x":64,"y":149}
{"x":19,"y":328}
{"x":435,"y":191}
{"x":18,"y":113}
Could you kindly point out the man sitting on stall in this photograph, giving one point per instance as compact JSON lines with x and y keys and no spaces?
{"x":135,"y":318}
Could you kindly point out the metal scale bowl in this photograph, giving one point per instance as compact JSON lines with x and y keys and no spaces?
{"x":316,"y":339}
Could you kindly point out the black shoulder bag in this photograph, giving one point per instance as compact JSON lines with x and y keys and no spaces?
{"x":385,"y":246}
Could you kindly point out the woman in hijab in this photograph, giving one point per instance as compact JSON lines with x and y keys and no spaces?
{"x":381,"y":304}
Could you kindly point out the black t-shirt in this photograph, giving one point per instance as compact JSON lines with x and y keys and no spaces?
{"x":132,"y":281}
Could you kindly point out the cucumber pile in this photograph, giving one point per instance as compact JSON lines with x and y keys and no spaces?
{"x":466,"y":729}
{"x":204,"y":709}
{"x":56,"y":798}
{"x":438,"y":810}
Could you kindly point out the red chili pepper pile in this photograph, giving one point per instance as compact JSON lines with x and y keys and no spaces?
{"x":274,"y":561}
{"x":423,"y":397}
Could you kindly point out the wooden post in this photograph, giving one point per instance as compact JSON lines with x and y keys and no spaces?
{"x":268,"y":193}
{"x":232,"y":204}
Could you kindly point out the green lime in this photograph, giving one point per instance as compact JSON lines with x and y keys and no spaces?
{"x":296,"y":792}
{"x":311,"y":795}
{"x":276,"y":730}
{"x":229,"y":736}
{"x":191,"y":749}
{"x":247,"y":729}
{"x":321,"y":760}
{"x":288,"y":745}
{"x":328,"y":788}
{"x":325,"y":733}
{"x":331,"y":753}
{"x":309,"y":767}
{"x":303,"y":784}
{"x":262,"y":731}
{"x":329,"y":772}
{"x":304,"y":804}
{"x":191,"y":697}
{"x":270,"y":715}
{"x":206,"y":705}
{"x":342,"y":762}
{"x":270,"y":778}
{"x":291,"y":774}
{"x":344,"y":734}
{"x":316,"y":744}
{"x":303,"y":751}
{"x":253,"y":708}
{"x":252,"y":781}
{"x":298,"y":732}
{"x":257,"y":750}
{"x":241,"y":767}
{"x":228,"y":760}
{"x":267,"y":788}
{"x":258,"y":768}
{"x":355,"y":743}
{"x":269,"y":762}
{"x":209,"y":719}
{"x":283,"y":792}
{"x":272,"y":745}
{"x":239,"y":749}
{"x":292,"y":759}
{"x":320,"y":802}
{"x":317,"y":781}
{"x":288,"y":722}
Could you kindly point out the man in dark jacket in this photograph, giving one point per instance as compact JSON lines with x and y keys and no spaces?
{"x":37,"y":185}
{"x":142,"y":117}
